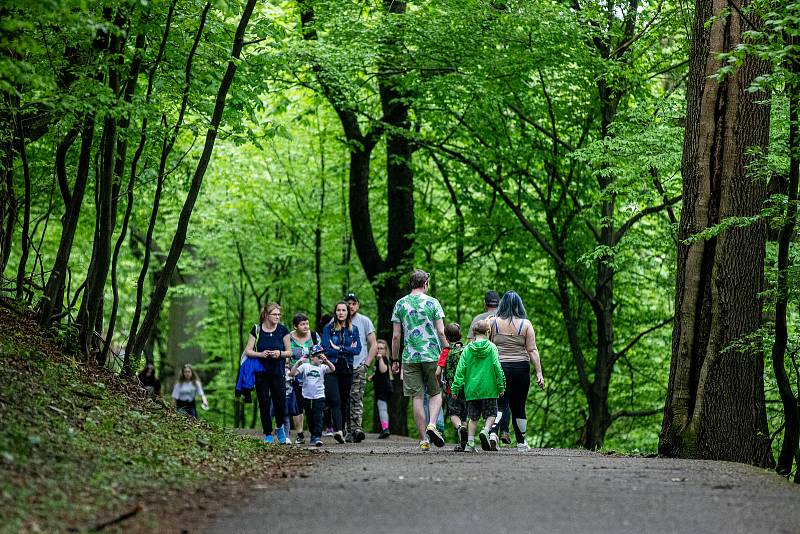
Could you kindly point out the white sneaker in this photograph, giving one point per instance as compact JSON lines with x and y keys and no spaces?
{"x":493,"y":441}
{"x":523,"y":447}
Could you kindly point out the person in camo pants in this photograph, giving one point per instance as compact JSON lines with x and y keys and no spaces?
{"x":360,"y":364}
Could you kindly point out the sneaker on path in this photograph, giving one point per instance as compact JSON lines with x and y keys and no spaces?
{"x":470,"y":447}
{"x":301,"y":438}
{"x":338,"y":436}
{"x":462,"y":436}
{"x":358,"y":436}
{"x":493,"y":441}
{"x":328,"y":432}
{"x":505,"y":438}
{"x":281,"y":435}
{"x":384,"y":434}
{"x":424,"y":446}
{"x":268,"y":439}
{"x":523,"y":447}
{"x":348,"y":438}
{"x":458,"y":448}
{"x":484,"y":437}
{"x":434,"y":435}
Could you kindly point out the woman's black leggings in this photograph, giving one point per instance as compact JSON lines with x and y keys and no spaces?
{"x":270,"y":387}
{"x":337,"y":395}
{"x":512,"y":404}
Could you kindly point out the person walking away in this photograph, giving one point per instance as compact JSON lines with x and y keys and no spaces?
{"x":481,"y":378}
{"x":148,"y":380}
{"x":362,"y":360}
{"x":513,"y":334}
{"x":490,"y":302}
{"x":301,"y":339}
{"x":418,"y":321}
{"x":312,"y":369}
{"x":186,"y":390}
{"x":341,"y":343}
{"x":446,"y":370}
{"x":382,"y":385}
{"x":269,"y":342}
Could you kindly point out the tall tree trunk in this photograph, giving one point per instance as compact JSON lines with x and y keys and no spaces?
{"x":791,"y":415}
{"x":715,"y":401}
{"x":176,"y":248}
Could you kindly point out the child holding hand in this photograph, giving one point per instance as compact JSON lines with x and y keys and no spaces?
{"x":481,"y":379}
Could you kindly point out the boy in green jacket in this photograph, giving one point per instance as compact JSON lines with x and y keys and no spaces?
{"x":481,"y":378}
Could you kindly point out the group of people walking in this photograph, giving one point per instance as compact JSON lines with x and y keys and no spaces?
{"x":487,"y":379}
{"x":300,"y":372}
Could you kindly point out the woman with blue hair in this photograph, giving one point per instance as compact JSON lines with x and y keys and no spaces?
{"x":513,"y":334}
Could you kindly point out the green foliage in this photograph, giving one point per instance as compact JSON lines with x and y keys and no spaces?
{"x":506,"y":125}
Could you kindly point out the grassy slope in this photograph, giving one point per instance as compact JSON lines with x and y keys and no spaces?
{"x":79,"y":447}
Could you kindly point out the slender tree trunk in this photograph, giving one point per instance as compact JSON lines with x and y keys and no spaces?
{"x":52,"y":300}
{"x":162,"y":284}
{"x":791,"y":433}
{"x":26,"y":217}
{"x":715,"y":400}
{"x":8,"y":204}
{"x":170,"y":136}
{"x":119,"y":171}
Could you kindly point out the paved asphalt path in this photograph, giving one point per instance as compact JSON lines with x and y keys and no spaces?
{"x":389,"y":486}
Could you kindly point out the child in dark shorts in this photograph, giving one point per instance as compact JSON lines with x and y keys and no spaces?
{"x":446,"y":370}
{"x":481,"y":379}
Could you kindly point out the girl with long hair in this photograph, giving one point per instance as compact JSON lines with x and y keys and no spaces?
{"x":341,"y":342}
{"x":186,"y":390}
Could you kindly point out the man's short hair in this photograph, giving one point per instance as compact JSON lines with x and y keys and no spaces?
{"x":418,"y":279}
{"x":491,"y":299}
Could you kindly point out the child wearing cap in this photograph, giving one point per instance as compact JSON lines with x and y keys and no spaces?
{"x":313,"y":374}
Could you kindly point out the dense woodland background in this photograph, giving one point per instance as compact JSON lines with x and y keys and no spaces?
{"x":168,"y":167}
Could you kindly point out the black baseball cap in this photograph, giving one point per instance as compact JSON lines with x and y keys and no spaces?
{"x":351,"y":296}
{"x":492,"y":299}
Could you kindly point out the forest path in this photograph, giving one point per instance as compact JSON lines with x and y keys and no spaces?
{"x":389,"y":486}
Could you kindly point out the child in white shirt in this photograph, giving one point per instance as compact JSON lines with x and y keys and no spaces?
{"x":313,"y":375}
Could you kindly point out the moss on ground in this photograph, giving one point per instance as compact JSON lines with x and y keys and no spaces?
{"x":79,"y":447}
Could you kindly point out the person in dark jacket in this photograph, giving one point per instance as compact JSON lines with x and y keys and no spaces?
{"x":148,"y":380}
{"x":341,"y":342}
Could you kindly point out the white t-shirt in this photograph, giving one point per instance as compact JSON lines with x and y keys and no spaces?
{"x":313,"y":380}
{"x":186,"y":391}
{"x":365,"y":328}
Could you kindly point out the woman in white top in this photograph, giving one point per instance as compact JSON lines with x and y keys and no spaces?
{"x":513,"y":334}
{"x":186,"y":389}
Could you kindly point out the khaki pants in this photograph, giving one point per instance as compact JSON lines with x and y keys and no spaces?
{"x":357,"y":398}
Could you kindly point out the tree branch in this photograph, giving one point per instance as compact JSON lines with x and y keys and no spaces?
{"x":642,"y":214}
{"x":617,"y":355}
{"x":635,"y":413}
